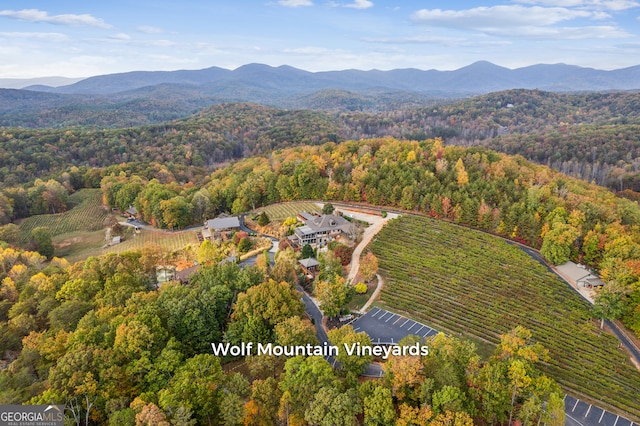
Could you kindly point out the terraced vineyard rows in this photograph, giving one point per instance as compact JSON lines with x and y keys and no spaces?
{"x":88,"y":214}
{"x":465,"y":281}
{"x":170,"y":241}
{"x":282,"y":211}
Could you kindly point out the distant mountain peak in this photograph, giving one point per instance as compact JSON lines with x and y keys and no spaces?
{"x":267,"y":84}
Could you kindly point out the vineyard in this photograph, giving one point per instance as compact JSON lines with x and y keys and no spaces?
{"x":465,"y":281}
{"x":87,"y":214}
{"x":170,"y":241}
{"x":279,"y":212}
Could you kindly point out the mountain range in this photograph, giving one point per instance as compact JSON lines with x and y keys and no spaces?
{"x":479,"y":77}
{"x":142,"y":97}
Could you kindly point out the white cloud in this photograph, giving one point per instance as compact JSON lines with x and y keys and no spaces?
{"x":35,"y":15}
{"x":613,"y":5}
{"x":148,"y":29}
{"x":57,"y":37}
{"x":437,"y":40}
{"x":553,"y":3}
{"x":158,"y":43}
{"x":513,"y":16}
{"x":121,"y":36}
{"x":360,"y":4}
{"x":523,"y":22}
{"x":560,"y":33}
{"x":295,"y":3}
{"x":618,"y":4}
{"x":309,"y":50}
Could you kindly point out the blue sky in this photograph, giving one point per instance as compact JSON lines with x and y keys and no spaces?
{"x":80,"y":38}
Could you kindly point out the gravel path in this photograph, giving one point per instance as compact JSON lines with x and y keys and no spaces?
{"x":376,"y":223}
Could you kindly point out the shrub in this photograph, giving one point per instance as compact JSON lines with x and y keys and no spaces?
{"x":344,"y":253}
{"x":361,"y":288}
{"x":263,"y":220}
{"x":244,"y":245}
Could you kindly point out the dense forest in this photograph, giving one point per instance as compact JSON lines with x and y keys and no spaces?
{"x":564,"y":217}
{"x":101,"y":337}
{"x":214,"y":136}
{"x":592,"y":136}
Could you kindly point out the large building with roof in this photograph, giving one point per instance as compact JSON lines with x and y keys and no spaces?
{"x":319,"y":230}
{"x":213,"y":228}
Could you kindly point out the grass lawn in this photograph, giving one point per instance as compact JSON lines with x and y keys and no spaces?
{"x":78,"y":245}
{"x":279,"y":212}
{"x":358,"y":300}
{"x":171,"y":241}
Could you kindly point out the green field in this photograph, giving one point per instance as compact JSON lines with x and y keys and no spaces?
{"x":279,"y":212}
{"x":86,"y":214}
{"x":79,"y":232}
{"x":467,"y":282}
{"x":170,"y":241}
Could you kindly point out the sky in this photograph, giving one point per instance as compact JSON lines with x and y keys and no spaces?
{"x":80,"y":38}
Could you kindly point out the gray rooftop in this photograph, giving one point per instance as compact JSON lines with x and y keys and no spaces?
{"x":581,"y":276}
{"x":327,"y":222}
{"x":223,"y":223}
{"x":306,"y":216}
{"x":309,"y":263}
{"x":573,"y":271}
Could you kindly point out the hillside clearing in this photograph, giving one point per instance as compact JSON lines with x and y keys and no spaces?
{"x":86,"y":214}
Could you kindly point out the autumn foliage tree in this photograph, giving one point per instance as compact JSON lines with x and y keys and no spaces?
{"x":369,"y":266}
{"x":333,"y":294}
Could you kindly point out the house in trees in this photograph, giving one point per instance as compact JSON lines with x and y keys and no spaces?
{"x":131,"y":213}
{"x":185,"y":275}
{"x":214,"y":228}
{"x":310,"y":267}
{"x":165,"y":273}
{"x":319,"y":230}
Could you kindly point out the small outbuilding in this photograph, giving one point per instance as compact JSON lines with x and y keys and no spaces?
{"x":165,"y":274}
{"x":310,"y":266}
{"x":131,"y":213}
{"x":579,"y":274}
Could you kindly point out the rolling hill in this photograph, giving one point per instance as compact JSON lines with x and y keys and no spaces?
{"x":147,"y":97}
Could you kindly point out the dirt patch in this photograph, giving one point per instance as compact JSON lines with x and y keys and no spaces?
{"x":67,"y":242}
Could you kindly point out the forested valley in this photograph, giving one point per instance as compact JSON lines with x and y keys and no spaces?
{"x":590,"y":136}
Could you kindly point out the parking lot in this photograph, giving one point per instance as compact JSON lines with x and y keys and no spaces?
{"x":384,"y":327}
{"x":580,"y":413}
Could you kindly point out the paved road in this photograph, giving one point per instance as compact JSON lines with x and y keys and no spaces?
{"x":314,"y":312}
{"x":631,"y":347}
